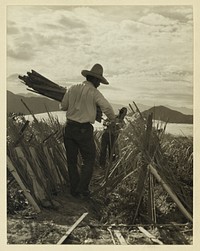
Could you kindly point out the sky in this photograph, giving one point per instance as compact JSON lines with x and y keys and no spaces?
{"x":146,"y":51}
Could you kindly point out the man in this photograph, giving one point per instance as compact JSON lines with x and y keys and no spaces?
{"x":109,"y":137}
{"x":80,"y":103}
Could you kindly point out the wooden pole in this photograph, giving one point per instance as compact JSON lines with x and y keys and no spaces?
{"x":137,"y":109}
{"x":170,"y":192}
{"x":150,"y":236}
{"x":38,"y":190}
{"x":143,"y":170}
{"x":112,"y":237}
{"x":151,"y":201}
{"x":37,"y":167}
{"x":61,"y":241}
{"x":27,"y":194}
{"x":29,"y":111}
{"x":51,"y":167}
{"x":120,"y":237}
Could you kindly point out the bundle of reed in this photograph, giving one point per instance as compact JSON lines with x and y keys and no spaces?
{"x":38,"y":157}
{"x":41,"y":85}
{"x":139,"y":146}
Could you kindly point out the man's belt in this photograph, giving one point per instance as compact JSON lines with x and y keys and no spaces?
{"x":73,"y":122}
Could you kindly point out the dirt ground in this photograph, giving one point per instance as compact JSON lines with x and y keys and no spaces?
{"x":50,"y":225}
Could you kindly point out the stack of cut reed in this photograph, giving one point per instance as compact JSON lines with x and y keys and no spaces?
{"x":41,"y":85}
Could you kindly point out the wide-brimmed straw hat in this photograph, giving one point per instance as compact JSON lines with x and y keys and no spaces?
{"x":97,"y":72}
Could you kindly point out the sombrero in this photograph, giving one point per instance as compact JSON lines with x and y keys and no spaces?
{"x":97,"y":72}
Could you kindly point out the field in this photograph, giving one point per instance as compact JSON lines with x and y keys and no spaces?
{"x":149,"y":185}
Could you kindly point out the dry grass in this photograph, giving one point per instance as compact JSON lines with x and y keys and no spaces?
{"x":116,"y":189}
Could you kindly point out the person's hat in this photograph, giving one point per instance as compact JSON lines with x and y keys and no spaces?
{"x":97,"y":72}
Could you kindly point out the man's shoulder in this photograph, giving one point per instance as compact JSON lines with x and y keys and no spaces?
{"x":76,"y":86}
{"x":84,"y":84}
{"x":98,"y":93}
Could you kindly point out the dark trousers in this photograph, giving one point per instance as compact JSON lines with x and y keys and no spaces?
{"x":79,"y":138}
{"x":107,"y":144}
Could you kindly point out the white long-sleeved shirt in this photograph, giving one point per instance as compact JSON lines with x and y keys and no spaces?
{"x":80,"y":103}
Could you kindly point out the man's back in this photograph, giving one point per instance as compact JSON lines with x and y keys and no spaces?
{"x":81,"y":105}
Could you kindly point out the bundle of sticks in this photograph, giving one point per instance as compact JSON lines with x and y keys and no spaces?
{"x":41,"y":85}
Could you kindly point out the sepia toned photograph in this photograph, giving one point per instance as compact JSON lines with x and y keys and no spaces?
{"x":99,"y":133}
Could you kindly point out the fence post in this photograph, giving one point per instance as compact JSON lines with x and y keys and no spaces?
{"x":38,"y":190}
{"x":170,"y":192}
{"x":27,"y":194}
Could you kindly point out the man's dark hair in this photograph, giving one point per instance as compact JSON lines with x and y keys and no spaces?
{"x":95,"y":81}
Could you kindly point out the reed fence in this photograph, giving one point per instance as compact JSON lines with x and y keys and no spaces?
{"x":37,"y":160}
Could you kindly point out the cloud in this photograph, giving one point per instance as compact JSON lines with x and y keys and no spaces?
{"x":157,"y":20}
{"x":44,"y":39}
{"x":111,"y":87}
{"x":183,"y":10}
{"x":180,"y":75}
{"x":11,"y":23}
{"x":12,"y":77}
{"x":175,"y":99}
{"x":50,"y":26}
{"x":179,"y":13}
{"x":143,"y":49}
{"x":27,"y":31}
{"x":67,"y":22}
{"x":14,"y":84}
{"x":130,"y":26}
{"x":12,"y":30}
{"x":170,"y":94}
{"x":21,"y":52}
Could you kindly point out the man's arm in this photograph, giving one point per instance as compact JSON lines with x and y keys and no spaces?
{"x":65,"y":102}
{"x":105,"y":106}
